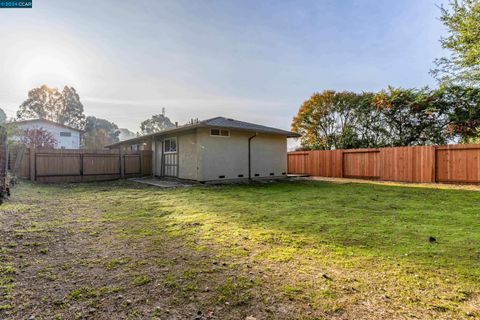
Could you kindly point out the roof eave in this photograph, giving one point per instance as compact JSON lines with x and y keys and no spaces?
{"x":288,"y":134}
{"x":44,"y":120}
{"x":152,"y":135}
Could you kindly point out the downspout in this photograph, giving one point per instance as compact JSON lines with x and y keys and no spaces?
{"x":250,"y":156}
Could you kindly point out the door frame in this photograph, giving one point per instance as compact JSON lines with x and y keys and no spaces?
{"x":158,"y":145}
{"x":172,"y":155}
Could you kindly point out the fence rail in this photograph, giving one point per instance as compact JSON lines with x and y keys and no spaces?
{"x":448,"y":164}
{"x":79,"y":165}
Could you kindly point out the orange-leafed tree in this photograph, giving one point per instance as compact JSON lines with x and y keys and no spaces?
{"x":38,"y":138}
{"x":330,"y":120}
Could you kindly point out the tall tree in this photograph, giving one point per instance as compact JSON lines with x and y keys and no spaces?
{"x":3,"y":116}
{"x":463,"y":108}
{"x":370,"y":125}
{"x":462,"y":66}
{"x":99,"y":132}
{"x":38,"y":138}
{"x":71,"y":112}
{"x":328,"y":120}
{"x":412,"y":116}
{"x":51,"y":104}
{"x":392,"y":117}
{"x":156,"y":123}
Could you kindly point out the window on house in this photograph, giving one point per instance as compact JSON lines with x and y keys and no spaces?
{"x":170,"y":145}
{"x":219,"y":132}
{"x":65,"y":134}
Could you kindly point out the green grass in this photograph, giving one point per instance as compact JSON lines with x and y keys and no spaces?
{"x":320,"y":246}
{"x":346,"y":227}
{"x":89,"y":293}
{"x":348,"y":220}
{"x":142,"y":280}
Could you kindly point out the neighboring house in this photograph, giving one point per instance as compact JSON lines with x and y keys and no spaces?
{"x":215,"y":149}
{"x":67,"y":137}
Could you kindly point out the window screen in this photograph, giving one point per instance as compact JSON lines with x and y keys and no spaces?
{"x":219,"y":132}
{"x":65,"y":134}
{"x":170,"y":145}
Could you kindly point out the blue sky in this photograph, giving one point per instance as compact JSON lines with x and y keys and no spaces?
{"x":250,"y":60}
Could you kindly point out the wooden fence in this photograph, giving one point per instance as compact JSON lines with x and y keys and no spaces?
{"x":448,"y":164}
{"x":79,"y":165}
{"x":3,"y":163}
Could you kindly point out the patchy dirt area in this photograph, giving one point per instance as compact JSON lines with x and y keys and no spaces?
{"x":63,"y":260}
{"x":66,"y":262}
{"x":120,"y":250}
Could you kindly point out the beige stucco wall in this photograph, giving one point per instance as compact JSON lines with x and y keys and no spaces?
{"x":187,"y":156}
{"x":228,"y":156}
{"x":269,"y":155}
{"x":205,"y":158}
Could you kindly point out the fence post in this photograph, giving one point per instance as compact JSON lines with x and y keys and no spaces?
{"x":32,"y":165}
{"x":381,"y":164}
{"x":141,"y":163}
{"x":342,"y":166}
{"x":306,"y":163}
{"x":434,"y":164}
{"x":122,"y":163}
{"x":81,"y":165}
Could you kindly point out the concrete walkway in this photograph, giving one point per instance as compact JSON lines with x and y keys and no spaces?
{"x":163,"y":183}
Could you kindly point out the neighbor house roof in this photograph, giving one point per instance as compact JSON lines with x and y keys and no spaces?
{"x":217,"y":122}
{"x":33,"y":121}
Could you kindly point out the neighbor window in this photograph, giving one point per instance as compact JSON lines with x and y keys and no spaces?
{"x":219,"y":132}
{"x":65,"y":134}
{"x":170,"y":145}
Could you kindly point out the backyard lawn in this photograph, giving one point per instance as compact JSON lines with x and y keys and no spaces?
{"x":291,"y":250}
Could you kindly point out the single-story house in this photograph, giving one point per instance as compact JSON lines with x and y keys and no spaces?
{"x":216,"y":149}
{"x":67,"y":137}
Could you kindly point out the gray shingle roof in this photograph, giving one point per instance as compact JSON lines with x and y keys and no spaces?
{"x":217,"y":122}
{"x":223,"y":122}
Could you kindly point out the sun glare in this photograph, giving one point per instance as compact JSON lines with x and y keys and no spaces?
{"x":49,"y":68}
